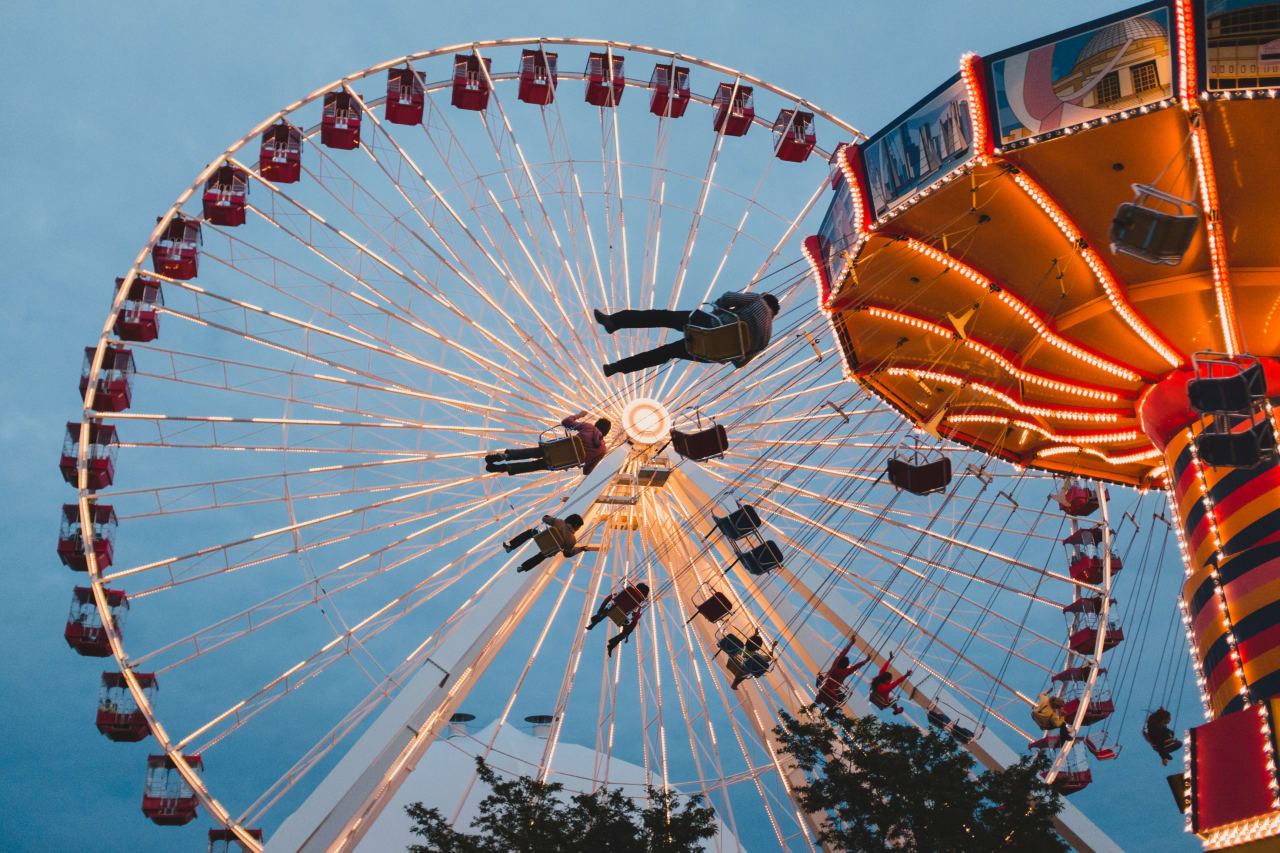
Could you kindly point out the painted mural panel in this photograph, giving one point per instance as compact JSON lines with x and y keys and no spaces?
{"x":1084,"y":75}
{"x":921,"y":146}
{"x":836,"y":233}
{"x":1241,"y":44}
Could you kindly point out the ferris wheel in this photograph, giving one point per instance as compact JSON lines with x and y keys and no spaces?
{"x":281,"y":467}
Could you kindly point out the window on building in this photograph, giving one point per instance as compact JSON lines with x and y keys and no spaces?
{"x":1109,"y":88}
{"x":1145,"y":77}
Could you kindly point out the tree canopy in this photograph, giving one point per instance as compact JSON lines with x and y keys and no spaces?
{"x":528,"y":815}
{"x":888,"y":786}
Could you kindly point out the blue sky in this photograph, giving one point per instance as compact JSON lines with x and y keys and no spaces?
{"x":110,"y":109}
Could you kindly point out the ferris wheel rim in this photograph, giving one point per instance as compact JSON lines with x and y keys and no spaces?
{"x":91,"y":416}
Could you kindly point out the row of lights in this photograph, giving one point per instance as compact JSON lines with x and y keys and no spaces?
{"x":1040,"y":411}
{"x":1095,"y":437}
{"x":1023,"y":310}
{"x":1086,"y":125}
{"x":1217,"y":246}
{"x":1100,"y":271}
{"x":971,"y":72}
{"x":988,"y":352}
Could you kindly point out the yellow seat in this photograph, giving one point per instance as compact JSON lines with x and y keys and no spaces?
{"x":618,"y":615}
{"x":548,"y":541}
{"x":566,"y":452}
{"x":724,"y":342}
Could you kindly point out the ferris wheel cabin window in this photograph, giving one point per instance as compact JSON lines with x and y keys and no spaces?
{"x":1145,"y":77}
{"x":1109,"y":88}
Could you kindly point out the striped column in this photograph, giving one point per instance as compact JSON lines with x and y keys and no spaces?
{"x":1230,"y":521}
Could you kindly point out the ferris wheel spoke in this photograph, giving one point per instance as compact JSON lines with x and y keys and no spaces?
{"x":221,"y":555}
{"x":790,"y":231}
{"x":456,"y":264}
{"x":407,"y":316}
{"x":312,"y":591}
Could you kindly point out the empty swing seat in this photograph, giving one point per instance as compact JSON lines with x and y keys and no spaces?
{"x":1070,"y":782}
{"x":714,"y":606}
{"x":548,"y":541}
{"x":762,"y":558}
{"x":719,"y":343}
{"x":739,"y":523}
{"x":1243,"y":449}
{"x":937,"y":719}
{"x":563,"y":453}
{"x":921,"y":479}
{"x":1152,"y":235}
{"x":697,"y":446}
{"x":1210,"y":394}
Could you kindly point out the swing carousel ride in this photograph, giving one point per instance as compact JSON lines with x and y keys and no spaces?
{"x":1047,"y":277}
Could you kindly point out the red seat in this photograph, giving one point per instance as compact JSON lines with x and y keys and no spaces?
{"x":537,"y":77}
{"x":138,"y":319}
{"x":605,"y":80}
{"x":225,"y":195}
{"x":84,"y":632}
{"x":796,"y":137}
{"x":406,"y":96}
{"x":470,"y":82}
{"x":697,"y":446}
{"x":71,"y":547}
{"x":669,"y":85}
{"x":280,"y":157}
{"x":734,"y":109}
{"x":167,"y":798}
{"x":119,"y":717}
{"x":340,"y":121}
{"x":176,"y":252}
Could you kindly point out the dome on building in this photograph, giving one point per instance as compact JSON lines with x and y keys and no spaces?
{"x":1114,"y":35}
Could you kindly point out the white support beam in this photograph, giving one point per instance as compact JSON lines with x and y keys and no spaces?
{"x":338,"y":812}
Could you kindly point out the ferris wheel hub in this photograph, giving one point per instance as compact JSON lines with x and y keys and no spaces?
{"x":646,"y":421}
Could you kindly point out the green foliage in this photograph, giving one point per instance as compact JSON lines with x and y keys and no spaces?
{"x":524,"y":814}
{"x":888,"y":786}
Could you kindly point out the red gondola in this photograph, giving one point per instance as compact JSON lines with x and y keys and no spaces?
{"x":225,"y":195}
{"x":670,"y":87}
{"x":470,"y":82}
{"x":177,"y":252}
{"x":1101,"y":704}
{"x":340,"y":121}
{"x":734,"y":109}
{"x":101,"y":459}
{"x":1077,"y":499}
{"x":138,"y":319}
{"x":537,"y":77}
{"x":71,"y":549}
{"x":225,"y":841}
{"x":118,"y":715}
{"x":111,"y":391}
{"x":1082,"y":626}
{"x":605,"y":80}
{"x":167,"y":798}
{"x":406,"y":96}
{"x":280,"y":157}
{"x":1084,"y":555}
{"x":84,"y":631}
{"x":1075,"y":774}
{"x":796,"y":136}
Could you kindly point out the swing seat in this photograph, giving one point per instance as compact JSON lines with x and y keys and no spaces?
{"x":1223,"y":394}
{"x":1102,"y":753}
{"x":714,"y":607}
{"x":1154,"y":235}
{"x":697,"y":446}
{"x":563,"y":453}
{"x":950,"y":726}
{"x":881,"y":700}
{"x":832,"y":698}
{"x":1052,"y":741}
{"x":1244,"y":449}
{"x":920,"y":479}
{"x":1171,"y":744}
{"x":756,"y":664}
{"x":731,"y":644}
{"x":734,"y":665}
{"x":738,"y":523}
{"x":1070,"y":782}
{"x":548,"y":541}
{"x":618,"y":616}
{"x":1098,"y":710}
{"x":762,"y":558}
{"x":722,"y":342}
